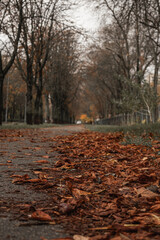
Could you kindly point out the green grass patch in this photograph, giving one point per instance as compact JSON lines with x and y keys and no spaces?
{"x":25,"y":126}
{"x":139,"y":134}
{"x":137,"y":140}
{"x":136,"y":130}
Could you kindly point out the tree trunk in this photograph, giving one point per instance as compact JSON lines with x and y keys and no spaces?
{"x":1,"y":97}
{"x":29,"y":112}
{"x":137,"y":44}
{"x":155,"y":111}
{"x":47,"y":112}
{"x":38,"y":108}
{"x":41,"y":109}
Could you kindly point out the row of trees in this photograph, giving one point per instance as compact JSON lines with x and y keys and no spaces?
{"x":39,"y":48}
{"x":59,"y":85}
{"x":128,"y":49}
{"x":10,"y":26}
{"x":35,"y":39}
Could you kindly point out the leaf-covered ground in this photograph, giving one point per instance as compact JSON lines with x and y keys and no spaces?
{"x":97,"y":187}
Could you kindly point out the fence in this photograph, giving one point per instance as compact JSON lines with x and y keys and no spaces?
{"x":126,"y":119}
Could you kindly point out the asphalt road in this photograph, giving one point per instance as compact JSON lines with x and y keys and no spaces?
{"x":17,"y":156}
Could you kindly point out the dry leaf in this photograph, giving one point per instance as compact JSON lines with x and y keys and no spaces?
{"x":40,"y":215}
{"x":77,"y":193}
{"x":45,"y":156}
{"x":79,"y":237}
{"x":66,"y":208}
{"x":156,"y":207}
{"x":41,"y":161}
{"x":146,"y":193}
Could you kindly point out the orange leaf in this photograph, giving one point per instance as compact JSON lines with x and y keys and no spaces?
{"x":67,"y":238}
{"x":77,"y":192}
{"x":41,"y":161}
{"x":40,"y":215}
{"x":34,"y":180}
{"x":45,"y":156}
{"x":79,"y":237}
{"x":146,"y":193}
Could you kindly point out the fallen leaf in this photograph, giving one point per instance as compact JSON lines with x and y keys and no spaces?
{"x":117,"y":238}
{"x":156,"y":219}
{"x":67,"y":238}
{"x":66,"y":208}
{"x":35,"y":180}
{"x":77,"y":193}
{"x":41,"y":161}
{"x":79,"y":237}
{"x":101,"y":228}
{"x":156,"y":207}
{"x":46,"y":156}
{"x":40,"y":215}
{"x":146,"y":193}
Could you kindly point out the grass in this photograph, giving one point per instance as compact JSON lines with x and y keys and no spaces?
{"x":16,"y":125}
{"x":139,"y":134}
{"x":136,"y":130}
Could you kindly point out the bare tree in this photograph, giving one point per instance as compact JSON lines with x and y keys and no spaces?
{"x":62,"y":75}
{"x":10,"y":30}
{"x":151,"y":21}
{"x":40,"y":19}
{"x":132,"y":39}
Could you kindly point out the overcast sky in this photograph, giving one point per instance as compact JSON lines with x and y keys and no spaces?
{"x":85,"y":17}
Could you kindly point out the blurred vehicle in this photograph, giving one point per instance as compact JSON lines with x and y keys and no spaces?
{"x":79,"y":122}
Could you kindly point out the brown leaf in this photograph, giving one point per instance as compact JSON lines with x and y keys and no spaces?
{"x":40,"y":215}
{"x":41,"y":161}
{"x":77,"y":193}
{"x":156,"y":219}
{"x":67,"y":238}
{"x":156,"y":207}
{"x":20,"y":178}
{"x":36,"y":180}
{"x":79,"y":237}
{"x":46,"y":156}
{"x":69,"y":186}
{"x":146,"y":193}
{"x":116,"y":238}
{"x":66,"y":208}
{"x":59,"y":163}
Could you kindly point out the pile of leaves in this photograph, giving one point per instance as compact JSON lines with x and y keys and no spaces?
{"x":108,"y":188}
{"x":98,"y":188}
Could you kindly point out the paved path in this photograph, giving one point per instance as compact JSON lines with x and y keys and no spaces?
{"x":17,"y":156}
